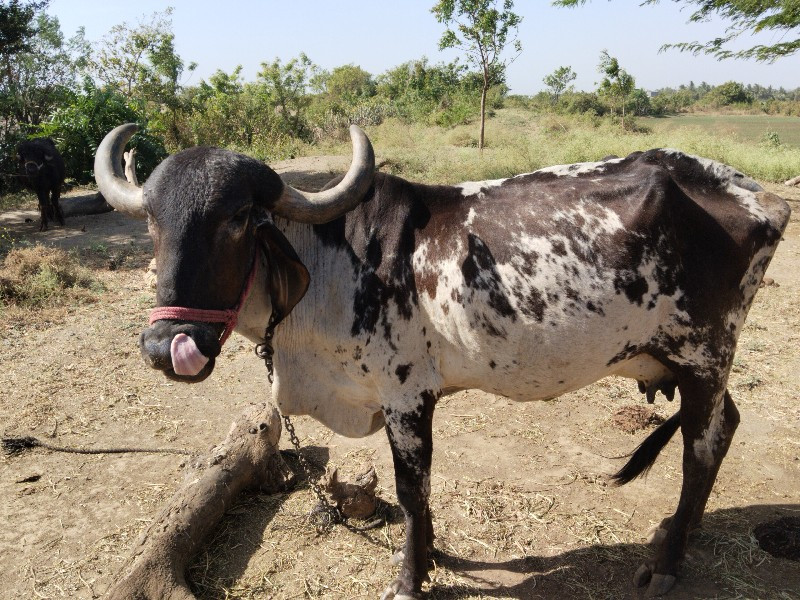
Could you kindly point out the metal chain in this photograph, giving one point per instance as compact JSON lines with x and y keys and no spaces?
{"x":326,"y":514}
{"x":265,"y":350}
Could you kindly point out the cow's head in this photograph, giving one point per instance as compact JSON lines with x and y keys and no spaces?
{"x":209,"y":212}
{"x":35,"y":155}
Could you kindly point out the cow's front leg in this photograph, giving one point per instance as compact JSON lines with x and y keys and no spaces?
{"x":409,"y":427}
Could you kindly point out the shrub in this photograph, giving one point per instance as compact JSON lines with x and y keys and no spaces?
{"x":80,"y":126}
{"x":39,"y":276}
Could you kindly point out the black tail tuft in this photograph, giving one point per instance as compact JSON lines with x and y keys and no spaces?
{"x":13,"y":446}
{"x":646,"y":453}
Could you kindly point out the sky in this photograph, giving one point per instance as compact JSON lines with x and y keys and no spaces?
{"x":379,"y":34}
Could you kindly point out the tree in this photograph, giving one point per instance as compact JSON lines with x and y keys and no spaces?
{"x":559,"y":81}
{"x":780,"y":17}
{"x":141,"y":64}
{"x":349,"y":83}
{"x":617,"y":83}
{"x":286,"y":86}
{"x":482,"y":31}
{"x":17,"y":26}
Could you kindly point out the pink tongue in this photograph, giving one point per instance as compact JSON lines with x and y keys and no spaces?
{"x":186,"y":357}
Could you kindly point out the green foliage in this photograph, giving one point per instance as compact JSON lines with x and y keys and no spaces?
{"x":17,"y":26}
{"x":349,"y":84}
{"x":771,"y":139}
{"x":780,"y":17}
{"x":617,"y":84}
{"x":285,"y":87}
{"x":141,"y":64}
{"x":79,"y":126}
{"x":559,"y":82}
{"x":727,"y":94}
{"x":37,"y":73}
{"x":441,"y":94}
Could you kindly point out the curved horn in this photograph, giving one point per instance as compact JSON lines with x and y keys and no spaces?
{"x":108,"y":173}
{"x":321,"y":207}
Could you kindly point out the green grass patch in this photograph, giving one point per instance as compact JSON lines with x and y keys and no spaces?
{"x":744,"y":128}
{"x":17,"y":200}
{"x":519,"y":141}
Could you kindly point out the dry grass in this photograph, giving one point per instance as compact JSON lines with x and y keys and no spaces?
{"x":42,"y":277}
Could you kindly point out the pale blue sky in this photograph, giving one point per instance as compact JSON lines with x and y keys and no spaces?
{"x":378,"y":35}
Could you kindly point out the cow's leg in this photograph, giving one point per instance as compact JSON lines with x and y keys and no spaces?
{"x":56,"y":194}
{"x":707,"y":426}
{"x":44,"y":207}
{"x":411,"y":440}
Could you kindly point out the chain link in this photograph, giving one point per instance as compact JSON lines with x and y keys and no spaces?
{"x":326,"y":514}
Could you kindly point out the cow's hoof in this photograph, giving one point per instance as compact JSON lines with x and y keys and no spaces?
{"x":642,"y":576}
{"x":657,"y":584}
{"x":398,"y":558}
{"x":392,"y":592}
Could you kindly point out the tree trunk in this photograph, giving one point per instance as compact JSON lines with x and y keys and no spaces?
{"x":247,"y":459}
{"x":793,"y":181}
{"x":483,"y":115}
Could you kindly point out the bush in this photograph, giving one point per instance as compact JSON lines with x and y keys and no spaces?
{"x":79,"y":127}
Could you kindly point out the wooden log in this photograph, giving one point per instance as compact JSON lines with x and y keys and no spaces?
{"x":247,"y":459}
{"x":793,"y":181}
{"x":87,"y":204}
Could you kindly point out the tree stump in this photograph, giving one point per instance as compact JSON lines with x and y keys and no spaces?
{"x":793,"y":181}
{"x":129,"y":158}
{"x":247,"y":459}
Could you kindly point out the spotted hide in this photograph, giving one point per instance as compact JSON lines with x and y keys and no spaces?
{"x":528,"y":287}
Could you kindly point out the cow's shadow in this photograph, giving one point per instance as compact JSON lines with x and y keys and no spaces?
{"x":721,"y":561}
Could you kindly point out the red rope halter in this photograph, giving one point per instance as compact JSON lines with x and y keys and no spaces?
{"x":228,"y":316}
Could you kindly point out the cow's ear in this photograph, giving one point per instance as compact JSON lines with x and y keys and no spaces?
{"x":288,"y":277}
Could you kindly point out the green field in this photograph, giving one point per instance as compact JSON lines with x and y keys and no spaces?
{"x":520,"y":141}
{"x":746,"y":128}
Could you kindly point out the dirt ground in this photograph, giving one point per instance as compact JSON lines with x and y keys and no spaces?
{"x":521,"y":504}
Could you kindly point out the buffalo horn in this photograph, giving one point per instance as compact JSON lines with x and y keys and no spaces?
{"x":124,"y":196}
{"x":321,"y":207}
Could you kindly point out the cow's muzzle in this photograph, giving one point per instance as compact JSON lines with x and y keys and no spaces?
{"x":183,"y":351}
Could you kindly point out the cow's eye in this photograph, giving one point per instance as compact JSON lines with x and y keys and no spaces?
{"x":241,"y":217}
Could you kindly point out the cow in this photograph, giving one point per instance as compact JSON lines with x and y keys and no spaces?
{"x":42,"y":169}
{"x":383,"y":295}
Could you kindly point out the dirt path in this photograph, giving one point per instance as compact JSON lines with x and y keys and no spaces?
{"x":520,"y":502}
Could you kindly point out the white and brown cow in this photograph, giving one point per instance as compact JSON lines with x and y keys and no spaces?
{"x":529,"y":287}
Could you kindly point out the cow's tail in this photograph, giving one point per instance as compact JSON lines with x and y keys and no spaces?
{"x":646,"y":453}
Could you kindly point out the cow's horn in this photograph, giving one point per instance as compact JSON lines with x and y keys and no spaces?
{"x":321,"y":207}
{"x":110,"y":177}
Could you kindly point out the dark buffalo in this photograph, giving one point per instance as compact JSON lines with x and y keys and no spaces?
{"x":42,"y":169}
{"x":529,"y":287}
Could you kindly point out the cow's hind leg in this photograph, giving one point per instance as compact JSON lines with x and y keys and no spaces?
{"x":44,"y":208}
{"x":56,"y":194}
{"x":708,"y":421}
{"x":411,"y":439}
